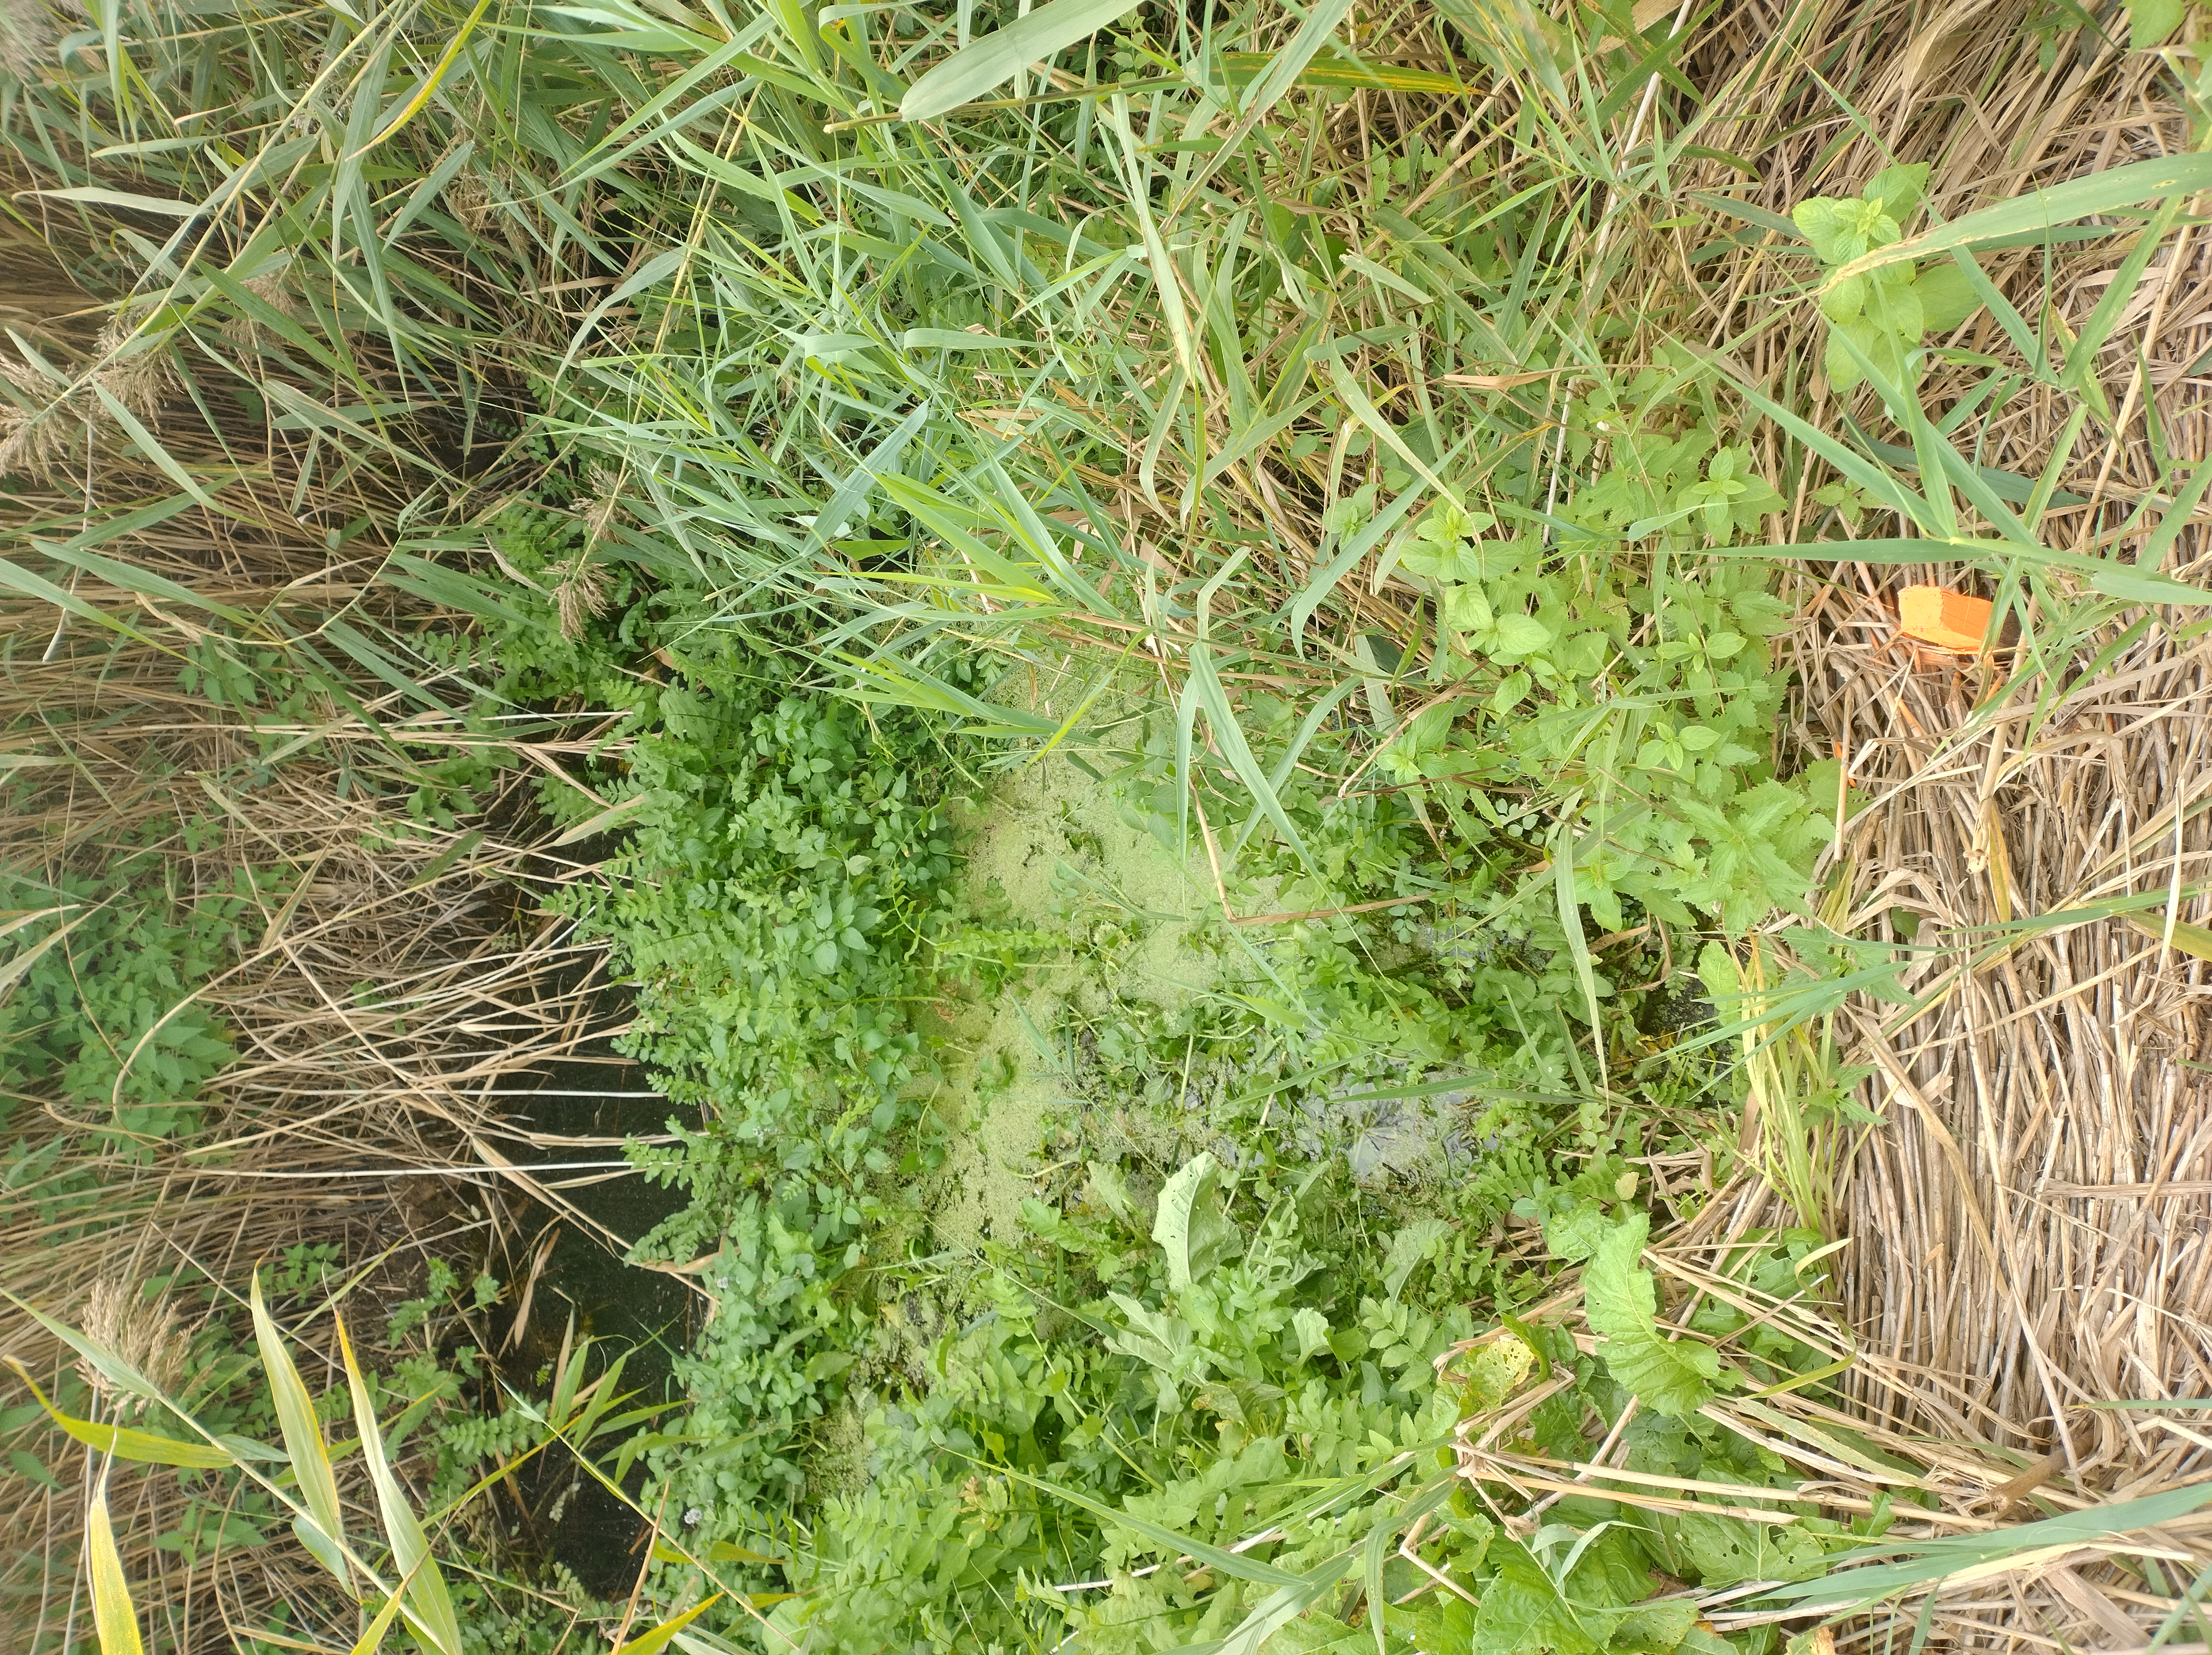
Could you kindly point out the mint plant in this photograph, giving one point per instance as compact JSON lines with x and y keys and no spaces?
{"x":1646,"y":694}
{"x":1878,"y":317}
{"x":105,"y":967}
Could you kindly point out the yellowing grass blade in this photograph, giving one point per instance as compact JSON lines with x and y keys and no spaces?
{"x":1164,"y":280}
{"x":1243,"y":68}
{"x":14,"y":970}
{"x":2190,"y":939}
{"x":124,"y":1441}
{"x":430,"y":81}
{"x":658,"y":1638}
{"x":427,"y":1606}
{"x":373,"y":1640}
{"x":303,"y":1441}
{"x":113,"y":1615}
{"x":1283,"y":70}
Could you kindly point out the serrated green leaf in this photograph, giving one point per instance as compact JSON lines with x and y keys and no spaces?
{"x":2149,"y":21}
{"x":1522,"y":1612}
{"x":1573,"y":1235}
{"x":1821,"y":218}
{"x":1406,"y":1249}
{"x":1518,"y":634}
{"x":1946,"y":297}
{"x":1899,"y":189}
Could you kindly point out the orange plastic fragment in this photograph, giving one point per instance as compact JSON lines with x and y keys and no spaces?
{"x":1938,"y":616}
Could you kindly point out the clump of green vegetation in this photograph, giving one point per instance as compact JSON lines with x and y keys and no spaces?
{"x":1147,"y":1209}
{"x":751,"y":806}
{"x":785,"y":898}
{"x":1175,"y":1410}
{"x":100,"y":993}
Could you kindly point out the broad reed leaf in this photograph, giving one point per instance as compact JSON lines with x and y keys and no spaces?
{"x":113,"y":1615}
{"x":428,"y":1606}
{"x":2037,"y":209}
{"x":303,"y":1442}
{"x":128,"y":1442}
{"x":650,"y":1643}
{"x":999,"y":56}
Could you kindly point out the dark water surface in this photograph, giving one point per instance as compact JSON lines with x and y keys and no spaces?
{"x":572,"y":1518}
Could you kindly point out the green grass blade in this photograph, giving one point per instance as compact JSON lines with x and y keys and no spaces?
{"x":2125,"y":581}
{"x":127,"y":1442}
{"x":1236,"y":1565}
{"x":2080,"y":368}
{"x":303,"y":1441}
{"x":372,"y":1637}
{"x":2040,"y":209}
{"x":128,"y":578}
{"x":1374,"y":1554}
{"x":144,"y":441}
{"x":2162,"y":539}
{"x":428,"y":1606}
{"x":1205,"y":683}
{"x":657,"y":1638}
{"x":1570,"y":922}
{"x":1357,"y":405}
{"x":976,"y":68}
{"x":1164,"y":279}
{"x":110,"y":1366}
{"x":1324,"y":580}
{"x":1844,"y":1586}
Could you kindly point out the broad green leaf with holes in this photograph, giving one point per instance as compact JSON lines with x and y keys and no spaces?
{"x":1192,"y":1231}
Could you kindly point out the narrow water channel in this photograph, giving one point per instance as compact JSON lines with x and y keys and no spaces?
{"x":569,"y":1517}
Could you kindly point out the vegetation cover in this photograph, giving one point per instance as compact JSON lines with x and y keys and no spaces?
{"x":1168,"y":674}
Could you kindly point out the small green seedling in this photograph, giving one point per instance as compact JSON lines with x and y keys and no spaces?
{"x":1887,"y":311}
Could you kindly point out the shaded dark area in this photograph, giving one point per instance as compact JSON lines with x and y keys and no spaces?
{"x":568,"y":1276}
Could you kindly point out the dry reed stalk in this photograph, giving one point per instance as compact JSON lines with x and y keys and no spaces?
{"x":2030,"y":1226}
{"x":1846,"y":1454}
{"x":398,"y":984}
{"x":387,"y":1007}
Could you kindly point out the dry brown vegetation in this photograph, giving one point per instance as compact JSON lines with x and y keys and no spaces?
{"x":2030,"y":1229}
{"x":398,"y":988}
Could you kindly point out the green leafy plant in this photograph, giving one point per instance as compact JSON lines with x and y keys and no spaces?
{"x":1878,"y":317}
{"x":97,"y":997}
{"x":1217,"y":1435}
{"x":1648,"y":702}
{"x":784,"y":894}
